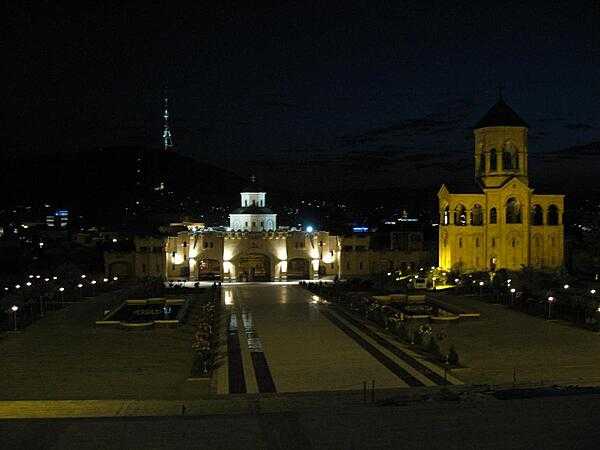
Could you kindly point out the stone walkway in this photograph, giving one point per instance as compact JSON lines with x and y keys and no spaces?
{"x":281,"y":339}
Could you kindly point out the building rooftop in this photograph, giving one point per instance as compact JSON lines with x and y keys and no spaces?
{"x":501,"y":115}
{"x":252,"y":209}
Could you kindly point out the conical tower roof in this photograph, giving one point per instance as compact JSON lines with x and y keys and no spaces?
{"x":501,"y":115}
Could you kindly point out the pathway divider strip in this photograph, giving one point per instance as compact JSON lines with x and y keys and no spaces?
{"x":411,"y":361}
{"x":237,"y":381}
{"x":264,"y":379}
{"x":400,"y":372}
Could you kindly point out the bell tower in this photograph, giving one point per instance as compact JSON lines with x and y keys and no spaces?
{"x":500,"y":146}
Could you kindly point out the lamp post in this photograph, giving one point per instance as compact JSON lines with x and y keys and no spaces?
{"x":61,"y":290}
{"x":550,"y":301}
{"x":481,"y":283}
{"x":93,"y":283}
{"x":14,"y":309}
{"x":512,"y":295}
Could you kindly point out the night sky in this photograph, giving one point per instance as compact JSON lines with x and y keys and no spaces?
{"x":297,"y":78}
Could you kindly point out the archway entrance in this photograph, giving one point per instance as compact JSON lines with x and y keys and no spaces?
{"x":297,"y":268}
{"x":253,"y":267}
{"x":209,"y":269}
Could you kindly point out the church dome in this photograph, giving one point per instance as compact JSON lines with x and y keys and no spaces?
{"x":501,"y":115}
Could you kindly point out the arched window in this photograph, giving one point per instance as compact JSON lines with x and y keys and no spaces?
{"x":477,"y":215}
{"x":445,"y":219}
{"x":510,"y":157}
{"x":493,"y":215}
{"x":493,"y":160}
{"x":482,"y":163}
{"x":552,"y":218}
{"x":460,"y":216}
{"x":537,"y":215}
{"x":513,"y":211}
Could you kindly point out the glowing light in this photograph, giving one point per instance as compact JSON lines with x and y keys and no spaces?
{"x":115,"y":278}
{"x":105,"y":280}
{"x":178,"y":258}
{"x":389,"y":274}
{"x":93,"y":281}
{"x":54,"y":278}
{"x":593,"y":291}
{"x":14,"y":308}
{"x":513,"y":290}
{"x":566,"y":286}
{"x":456,"y":280}
{"x":18,"y":286}
{"x":83,"y":276}
{"x":30,"y":276}
{"x":481,"y":283}
{"x":309,"y":229}
{"x":114,"y":240}
{"x":37,"y":276}
{"x":46,"y":279}
{"x":551,"y":299}
{"x":80,"y":285}
{"x":228,"y":298}
{"x":28,"y":283}
{"x":61,"y":289}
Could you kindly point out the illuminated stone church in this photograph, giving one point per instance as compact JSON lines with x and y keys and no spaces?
{"x":500,"y":222}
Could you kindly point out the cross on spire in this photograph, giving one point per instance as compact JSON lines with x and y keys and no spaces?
{"x":253,"y":178}
{"x":500,"y":89}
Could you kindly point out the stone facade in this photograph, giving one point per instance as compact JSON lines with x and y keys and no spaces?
{"x":500,"y":222}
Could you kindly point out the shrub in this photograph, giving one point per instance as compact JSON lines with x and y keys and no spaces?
{"x":433,"y":347}
{"x":418,"y":339}
{"x":453,"y":356}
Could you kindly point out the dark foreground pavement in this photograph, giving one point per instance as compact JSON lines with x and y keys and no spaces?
{"x":476,"y":421}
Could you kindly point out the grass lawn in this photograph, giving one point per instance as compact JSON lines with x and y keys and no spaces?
{"x":503,"y":339}
{"x":64,"y":356}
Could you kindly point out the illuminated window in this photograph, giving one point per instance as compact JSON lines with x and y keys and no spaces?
{"x":460,"y":215}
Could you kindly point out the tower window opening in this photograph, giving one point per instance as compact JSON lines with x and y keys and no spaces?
{"x":493,"y":160}
{"x":552,"y":218}
{"x":493,"y":215}
{"x":537,"y":215}
{"x":477,"y":215}
{"x":446,"y":216}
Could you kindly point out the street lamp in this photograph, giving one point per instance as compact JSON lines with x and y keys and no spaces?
{"x":93,"y":283}
{"x":593,"y":291}
{"x":83,"y":276}
{"x":61,"y":290}
{"x":512,"y":295}
{"x":105,"y":280}
{"x":55,"y":278}
{"x":550,"y":301}
{"x":115,"y":278}
{"x":566,"y":286}
{"x":14,"y":309}
{"x":28,"y":283}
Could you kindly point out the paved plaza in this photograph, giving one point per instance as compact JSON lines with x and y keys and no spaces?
{"x":282,"y":339}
